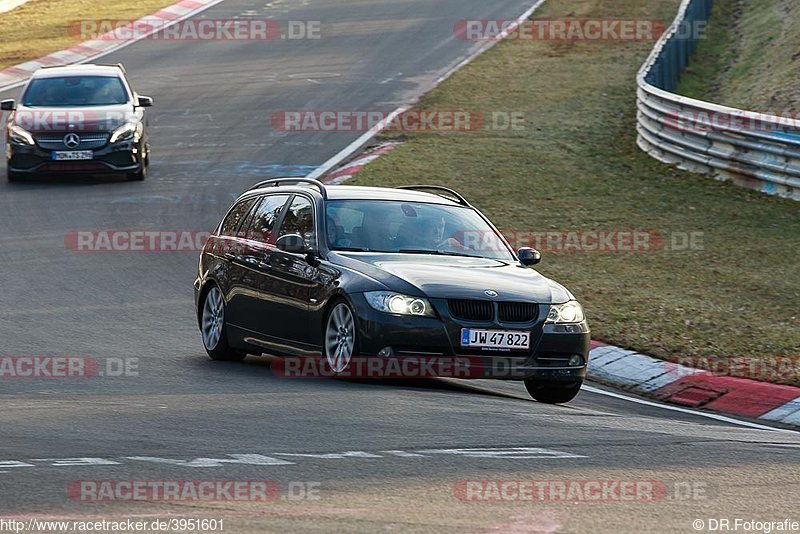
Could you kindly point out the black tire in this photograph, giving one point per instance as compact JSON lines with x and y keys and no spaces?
{"x":141,"y":174}
{"x":138,"y":176}
{"x":340,"y":317}
{"x":213,"y":328}
{"x":13,"y":176}
{"x":553,"y":392}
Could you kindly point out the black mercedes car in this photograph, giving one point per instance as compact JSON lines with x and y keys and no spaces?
{"x":77,"y":119}
{"x":297,"y":269}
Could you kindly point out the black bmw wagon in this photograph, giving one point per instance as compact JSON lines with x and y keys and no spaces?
{"x":340,"y":274}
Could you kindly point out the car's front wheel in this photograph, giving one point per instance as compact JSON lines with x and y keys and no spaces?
{"x":340,"y":337}
{"x":212,"y":326}
{"x":13,"y":176}
{"x":553,"y":392}
{"x":139,"y":175}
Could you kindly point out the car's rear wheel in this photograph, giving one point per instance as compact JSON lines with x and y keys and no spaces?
{"x":212,"y":326}
{"x":340,"y":337}
{"x":553,"y":393}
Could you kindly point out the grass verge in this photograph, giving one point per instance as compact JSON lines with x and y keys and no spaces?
{"x":40,"y":27}
{"x":750,"y":57}
{"x":576,"y":166}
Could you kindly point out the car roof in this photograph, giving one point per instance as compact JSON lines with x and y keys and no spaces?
{"x":78,"y":70}
{"x":352,"y":192}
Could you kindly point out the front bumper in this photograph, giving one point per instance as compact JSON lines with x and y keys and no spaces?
{"x":436,"y":340}
{"x":123,"y":157}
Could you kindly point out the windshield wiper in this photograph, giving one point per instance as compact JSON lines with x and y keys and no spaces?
{"x":352,"y":249}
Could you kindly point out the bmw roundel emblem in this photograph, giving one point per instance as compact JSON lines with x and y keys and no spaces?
{"x":490,"y":293}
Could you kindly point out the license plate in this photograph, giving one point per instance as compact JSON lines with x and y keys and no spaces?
{"x":72,"y":155}
{"x":495,"y":339}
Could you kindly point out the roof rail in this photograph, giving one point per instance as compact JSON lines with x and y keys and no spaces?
{"x":276,"y":182}
{"x":461,"y":200}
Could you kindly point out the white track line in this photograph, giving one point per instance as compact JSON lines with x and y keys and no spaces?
{"x":707,"y":415}
{"x":378,"y":128}
{"x":126,"y":43}
{"x":355,"y":145}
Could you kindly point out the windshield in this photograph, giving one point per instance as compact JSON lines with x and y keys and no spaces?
{"x":66,"y":91}
{"x":410,"y":227}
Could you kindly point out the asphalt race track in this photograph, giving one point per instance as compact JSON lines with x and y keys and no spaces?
{"x":381,"y":455}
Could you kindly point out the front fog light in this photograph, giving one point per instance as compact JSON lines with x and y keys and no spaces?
{"x":576,"y":360}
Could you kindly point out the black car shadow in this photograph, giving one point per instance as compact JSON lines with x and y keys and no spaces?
{"x":77,"y":179}
{"x":264,"y":363}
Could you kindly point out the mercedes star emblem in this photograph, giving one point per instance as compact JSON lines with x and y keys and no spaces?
{"x":72,"y":140}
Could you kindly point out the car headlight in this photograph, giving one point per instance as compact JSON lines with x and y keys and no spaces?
{"x":569,"y":312}
{"x":18,"y":135}
{"x":123,"y":133}
{"x":389,"y":302}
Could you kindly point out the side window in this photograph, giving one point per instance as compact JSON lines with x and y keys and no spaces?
{"x":262,"y":223}
{"x":300,"y":220}
{"x":231,"y":222}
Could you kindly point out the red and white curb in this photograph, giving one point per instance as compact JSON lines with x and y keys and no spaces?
{"x":666,"y":381}
{"x":18,"y":74}
{"x":677,"y":384}
{"x":347,"y":171}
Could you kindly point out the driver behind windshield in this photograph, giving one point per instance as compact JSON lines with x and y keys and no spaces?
{"x":430,"y":234}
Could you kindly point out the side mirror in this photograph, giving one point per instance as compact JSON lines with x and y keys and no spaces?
{"x":529,"y":256}
{"x":293,"y":243}
{"x":312,"y":259}
{"x":8,"y":105}
{"x":145,"y":102}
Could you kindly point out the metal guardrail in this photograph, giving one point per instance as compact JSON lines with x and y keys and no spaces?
{"x":755,"y":150}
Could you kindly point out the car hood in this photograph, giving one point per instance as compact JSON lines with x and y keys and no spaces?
{"x":62,"y":119}
{"x":458,"y":277}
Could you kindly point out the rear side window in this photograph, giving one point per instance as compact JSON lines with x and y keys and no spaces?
{"x":265,"y":217}
{"x":300,"y":220}
{"x":231,"y":222}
